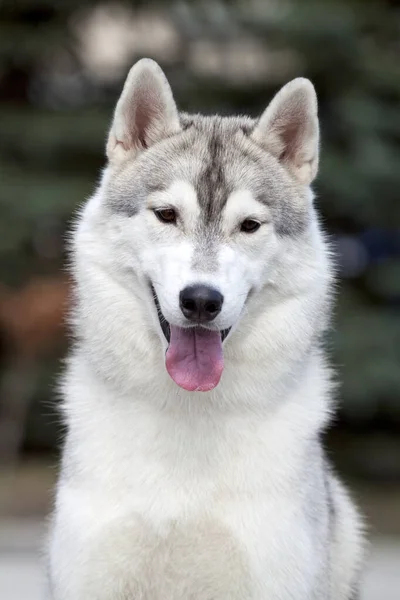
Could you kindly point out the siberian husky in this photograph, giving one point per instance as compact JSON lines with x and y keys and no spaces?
{"x":197,"y":388}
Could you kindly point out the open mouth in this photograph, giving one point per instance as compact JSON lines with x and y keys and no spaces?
{"x":163,"y":321}
{"x":194,"y":357}
{"x":165,"y":326}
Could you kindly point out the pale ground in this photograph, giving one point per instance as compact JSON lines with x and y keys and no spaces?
{"x":21,"y":569}
{"x":25,"y":497}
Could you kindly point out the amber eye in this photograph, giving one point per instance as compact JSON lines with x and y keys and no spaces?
{"x":250,"y":226}
{"x":166,"y":215}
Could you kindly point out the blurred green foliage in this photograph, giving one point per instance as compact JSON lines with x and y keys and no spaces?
{"x":52,"y":140}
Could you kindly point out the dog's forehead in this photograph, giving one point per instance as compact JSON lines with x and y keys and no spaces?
{"x":225,"y":165}
{"x":216,"y":157}
{"x":223,"y":159}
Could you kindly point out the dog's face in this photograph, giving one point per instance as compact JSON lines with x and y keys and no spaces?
{"x":200,"y":208}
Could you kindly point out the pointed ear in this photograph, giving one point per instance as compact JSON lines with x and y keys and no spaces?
{"x":289,"y":129}
{"x":145,"y":113}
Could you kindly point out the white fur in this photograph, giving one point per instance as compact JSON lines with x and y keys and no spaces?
{"x":174,"y":495}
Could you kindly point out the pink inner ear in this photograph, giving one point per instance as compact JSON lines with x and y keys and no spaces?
{"x":142,"y":122}
{"x":147,"y":111}
{"x":283,"y":155}
{"x":290,"y":134}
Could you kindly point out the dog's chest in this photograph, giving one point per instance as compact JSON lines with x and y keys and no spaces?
{"x":210,"y":516}
{"x":194,"y":558}
{"x":225,"y":547}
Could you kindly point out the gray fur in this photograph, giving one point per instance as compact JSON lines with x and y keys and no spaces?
{"x":218,"y":489}
{"x":217,"y":156}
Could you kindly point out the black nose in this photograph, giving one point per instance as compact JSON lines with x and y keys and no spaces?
{"x":200,"y":303}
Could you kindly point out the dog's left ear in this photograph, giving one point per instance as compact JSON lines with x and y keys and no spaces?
{"x":289,"y":129}
{"x":145,"y":113}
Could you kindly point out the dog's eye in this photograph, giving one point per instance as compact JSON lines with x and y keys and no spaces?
{"x":250,"y":226}
{"x":166,"y":215}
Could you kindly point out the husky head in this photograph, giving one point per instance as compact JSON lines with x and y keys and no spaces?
{"x":201,"y":213}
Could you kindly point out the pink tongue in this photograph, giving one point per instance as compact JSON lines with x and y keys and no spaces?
{"x":194,"y":358}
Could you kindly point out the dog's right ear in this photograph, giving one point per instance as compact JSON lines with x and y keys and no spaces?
{"x":145,"y":113}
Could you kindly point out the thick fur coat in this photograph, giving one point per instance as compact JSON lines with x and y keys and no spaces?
{"x":183,"y":482}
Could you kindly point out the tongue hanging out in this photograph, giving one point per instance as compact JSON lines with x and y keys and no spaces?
{"x":194,"y":358}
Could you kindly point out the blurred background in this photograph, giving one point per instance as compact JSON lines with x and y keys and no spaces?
{"x":62,"y":66}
